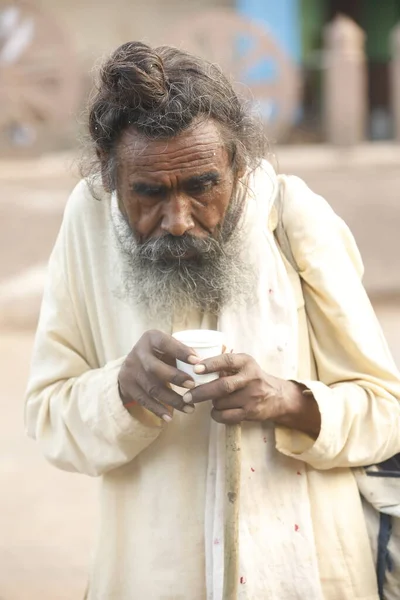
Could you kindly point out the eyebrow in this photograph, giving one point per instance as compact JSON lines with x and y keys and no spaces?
{"x":142,"y":187}
{"x":210,"y":177}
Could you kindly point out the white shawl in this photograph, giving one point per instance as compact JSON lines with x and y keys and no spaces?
{"x":275,"y":513}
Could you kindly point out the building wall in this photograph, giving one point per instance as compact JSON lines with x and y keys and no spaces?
{"x":93,"y":29}
{"x":96,"y":28}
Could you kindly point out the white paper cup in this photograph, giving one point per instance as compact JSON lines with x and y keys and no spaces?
{"x":206,"y":343}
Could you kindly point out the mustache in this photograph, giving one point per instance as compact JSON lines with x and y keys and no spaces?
{"x":169,"y":247}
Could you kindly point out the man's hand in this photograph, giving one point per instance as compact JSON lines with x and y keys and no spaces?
{"x":149,"y":368}
{"x":244,"y":392}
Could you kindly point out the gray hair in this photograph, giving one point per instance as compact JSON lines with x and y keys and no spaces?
{"x":161,"y":92}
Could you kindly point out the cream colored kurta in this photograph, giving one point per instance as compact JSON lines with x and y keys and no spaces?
{"x":151,"y":538}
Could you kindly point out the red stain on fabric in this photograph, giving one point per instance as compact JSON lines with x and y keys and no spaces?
{"x":131,"y":403}
{"x":253,"y":470}
{"x":296,"y":528}
{"x":270,"y":291}
{"x":243,"y":580}
{"x":216,"y":542}
{"x":298,"y":473}
{"x":265,"y":440}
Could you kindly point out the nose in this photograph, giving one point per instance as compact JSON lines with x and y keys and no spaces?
{"x":177,"y":219}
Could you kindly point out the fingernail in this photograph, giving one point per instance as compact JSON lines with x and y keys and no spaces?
{"x":193,"y":360}
{"x":199,"y":369}
{"x":187,"y":398}
{"x":188,"y":409}
{"x":167,"y":418}
{"x":189,"y":385}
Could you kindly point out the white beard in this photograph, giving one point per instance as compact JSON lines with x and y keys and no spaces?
{"x":220,"y":275}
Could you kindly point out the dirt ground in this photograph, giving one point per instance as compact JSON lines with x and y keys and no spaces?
{"x":46,"y":516}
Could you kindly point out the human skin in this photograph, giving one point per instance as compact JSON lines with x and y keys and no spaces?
{"x":178,"y":186}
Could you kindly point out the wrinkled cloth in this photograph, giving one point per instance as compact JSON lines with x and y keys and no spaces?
{"x":157,"y":479}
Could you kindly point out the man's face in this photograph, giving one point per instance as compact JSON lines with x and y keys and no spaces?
{"x":177,"y":222}
{"x":179,"y":186}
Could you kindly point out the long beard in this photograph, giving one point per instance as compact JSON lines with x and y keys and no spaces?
{"x":158,"y":277}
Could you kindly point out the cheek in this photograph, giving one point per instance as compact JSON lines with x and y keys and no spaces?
{"x":144,"y":220}
{"x":208,"y":217}
{"x":213,"y":214}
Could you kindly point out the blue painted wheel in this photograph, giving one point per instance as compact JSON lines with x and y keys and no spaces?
{"x":249,"y":54}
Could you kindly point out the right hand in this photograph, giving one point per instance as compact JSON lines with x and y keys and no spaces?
{"x":150,"y":367}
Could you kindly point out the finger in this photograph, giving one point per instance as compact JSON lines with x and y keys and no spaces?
{"x":159,"y":391}
{"x":235,"y":400}
{"x":225,"y":362}
{"x":166,"y":346}
{"x":228,"y":417}
{"x":166,"y":396}
{"x":141,"y":398}
{"x":224,"y":373}
{"x":219,"y":388}
{"x":167,"y":373}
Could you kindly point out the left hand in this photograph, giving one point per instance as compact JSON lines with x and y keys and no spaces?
{"x":244,"y":392}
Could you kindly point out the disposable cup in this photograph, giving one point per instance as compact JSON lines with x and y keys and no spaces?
{"x":206,"y":343}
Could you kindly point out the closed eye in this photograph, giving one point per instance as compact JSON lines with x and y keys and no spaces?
{"x":201,"y":188}
{"x":197,"y":186}
{"x":149,"y":191}
{"x":202,"y":184}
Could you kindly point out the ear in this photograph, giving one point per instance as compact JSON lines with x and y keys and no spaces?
{"x":240,"y":168}
{"x":238,"y":163}
{"x":105,"y":171}
{"x":241,"y":171}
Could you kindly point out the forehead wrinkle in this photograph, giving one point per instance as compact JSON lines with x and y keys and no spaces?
{"x":188,"y":169}
{"x":134,"y":146}
{"x":211,"y":134}
{"x":196,"y":153}
{"x":199,"y":147}
{"x":163,"y":178}
{"x":190,"y":154}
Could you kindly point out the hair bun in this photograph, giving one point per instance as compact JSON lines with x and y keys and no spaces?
{"x":135,"y":76}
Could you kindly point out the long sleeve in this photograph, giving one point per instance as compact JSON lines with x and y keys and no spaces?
{"x":358,"y":387}
{"x":73,"y":408}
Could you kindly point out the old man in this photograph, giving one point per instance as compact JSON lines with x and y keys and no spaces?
{"x":175,"y":231}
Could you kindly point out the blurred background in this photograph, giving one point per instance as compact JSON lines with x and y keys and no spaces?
{"x":325,"y":77}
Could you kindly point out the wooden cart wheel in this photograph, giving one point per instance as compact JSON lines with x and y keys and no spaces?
{"x":39,"y":76}
{"x":249,"y":54}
